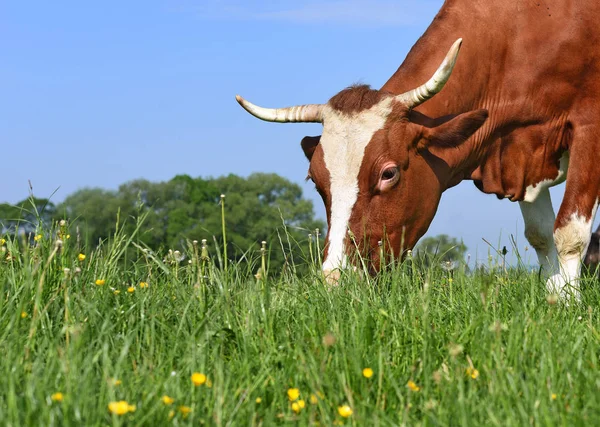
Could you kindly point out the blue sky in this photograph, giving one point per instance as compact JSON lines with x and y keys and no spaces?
{"x":94,"y":95}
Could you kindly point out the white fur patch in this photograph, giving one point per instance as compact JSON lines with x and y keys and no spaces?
{"x":344,"y":140}
{"x":539,"y":227}
{"x":572,"y":242}
{"x":533,"y":191}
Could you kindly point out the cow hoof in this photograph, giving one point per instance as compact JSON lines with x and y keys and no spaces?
{"x":566,"y":291}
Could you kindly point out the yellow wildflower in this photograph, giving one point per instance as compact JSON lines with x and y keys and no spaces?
{"x":57,"y":397}
{"x":171,"y":413}
{"x":301,"y":403}
{"x":345,"y":411}
{"x":553,"y":397}
{"x":100,"y":282}
{"x":198,"y":378}
{"x":412,"y":386}
{"x":38,"y":237}
{"x":296,"y":407}
{"x":167,"y":400}
{"x":131,"y":289}
{"x":367,"y":372}
{"x":313,"y":399}
{"x":293,"y":394}
{"x":120,"y":408}
{"x":81,"y":257}
{"x":472,"y":372}
{"x":68,"y":236}
{"x":208,"y":383}
{"x":115,"y":382}
{"x":24,"y":314}
{"x":143,"y":285}
{"x":2,"y":241}
{"x":116,"y":292}
{"x":185,"y":410}
{"x":258,"y":400}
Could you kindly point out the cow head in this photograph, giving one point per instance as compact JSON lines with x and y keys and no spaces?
{"x":379,"y":166}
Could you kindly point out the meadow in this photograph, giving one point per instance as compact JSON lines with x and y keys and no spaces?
{"x":120,"y":335}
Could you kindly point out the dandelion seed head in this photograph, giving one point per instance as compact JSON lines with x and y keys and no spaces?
{"x":455,"y":350}
{"x":430,"y":404}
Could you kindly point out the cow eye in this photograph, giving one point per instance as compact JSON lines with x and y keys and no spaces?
{"x":389,"y":174}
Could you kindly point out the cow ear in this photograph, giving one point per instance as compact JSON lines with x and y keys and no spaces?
{"x":455,"y":131}
{"x":309,"y":145}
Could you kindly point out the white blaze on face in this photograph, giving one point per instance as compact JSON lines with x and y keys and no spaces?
{"x":344,"y":140}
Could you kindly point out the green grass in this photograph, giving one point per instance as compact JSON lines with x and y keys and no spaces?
{"x":537,"y":363}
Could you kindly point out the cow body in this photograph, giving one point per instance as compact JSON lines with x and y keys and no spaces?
{"x":535,"y":66}
{"x":520,"y":113}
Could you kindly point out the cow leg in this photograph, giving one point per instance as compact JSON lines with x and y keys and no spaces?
{"x":539,"y":225}
{"x":573,"y":226}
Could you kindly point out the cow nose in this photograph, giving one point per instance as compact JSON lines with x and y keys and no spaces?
{"x":332,"y":276}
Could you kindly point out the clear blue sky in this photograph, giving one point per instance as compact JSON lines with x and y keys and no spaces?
{"x":93,"y":95}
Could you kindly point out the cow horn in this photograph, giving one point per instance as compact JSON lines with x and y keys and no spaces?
{"x":310,"y":113}
{"x":435,"y":84}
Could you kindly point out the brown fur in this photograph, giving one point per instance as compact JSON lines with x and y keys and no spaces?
{"x":356,"y":98}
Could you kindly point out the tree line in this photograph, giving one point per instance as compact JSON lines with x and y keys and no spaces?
{"x":259,"y":207}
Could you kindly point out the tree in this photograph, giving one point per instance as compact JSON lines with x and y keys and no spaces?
{"x":441,"y":248}
{"x":26,"y":216}
{"x":260,"y":207}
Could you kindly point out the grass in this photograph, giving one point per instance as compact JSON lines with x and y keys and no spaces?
{"x":485,"y":348}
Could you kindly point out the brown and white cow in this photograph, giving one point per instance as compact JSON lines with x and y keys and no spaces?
{"x":521,"y":107}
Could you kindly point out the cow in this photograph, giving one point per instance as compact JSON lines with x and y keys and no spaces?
{"x":519,"y":113}
{"x":592,"y":258}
